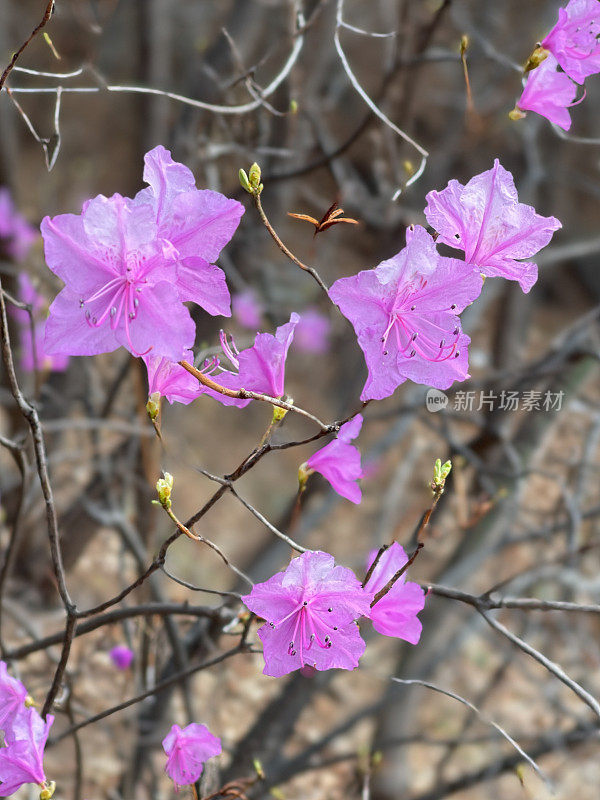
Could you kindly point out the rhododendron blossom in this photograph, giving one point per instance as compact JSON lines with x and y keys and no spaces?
{"x":187,"y":749}
{"x":310,"y":610}
{"x":129,"y":265}
{"x":33,"y":354}
{"x":312,"y":333}
{"x":486,"y":221}
{"x":16,"y":234}
{"x":339,"y":461}
{"x":574,"y":42}
{"x":121,"y":656}
{"x":404,"y":313}
{"x":197,"y":223}
{"x":120,"y":283}
{"x":247,"y":310}
{"x":549,"y":93}
{"x":21,"y":760}
{"x":12,"y":698}
{"x":395,"y":614}
{"x":260,"y":368}
{"x":167,"y":379}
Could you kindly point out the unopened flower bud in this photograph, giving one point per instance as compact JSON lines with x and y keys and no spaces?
{"x":254,"y":176}
{"x":535,"y":59}
{"x":440,"y":473}
{"x":258,"y":768}
{"x":244,"y":181}
{"x":304,"y":473}
{"x":163,"y":489}
{"x":48,"y":790}
{"x":153,"y":405}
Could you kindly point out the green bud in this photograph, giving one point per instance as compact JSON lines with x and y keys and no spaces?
{"x":304,"y":474}
{"x":440,"y":473}
{"x":258,"y":769}
{"x":464,"y":43}
{"x":279,"y":413}
{"x":535,"y":59}
{"x":293,"y":107}
{"x":153,"y":405}
{"x":29,"y":701}
{"x":48,"y":790}
{"x":163,"y":489}
{"x":254,"y":177}
{"x":244,"y":181}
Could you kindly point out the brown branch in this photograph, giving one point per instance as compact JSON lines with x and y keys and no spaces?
{"x":47,"y":14}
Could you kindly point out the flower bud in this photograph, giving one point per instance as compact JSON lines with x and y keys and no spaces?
{"x":535,"y":59}
{"x":254,"y":176}
{"x":440,"y":473}
{"x":163,"y":489}
{"x":153,"y":405}
{"x":244,"y":181}
{"x":48,"y":790}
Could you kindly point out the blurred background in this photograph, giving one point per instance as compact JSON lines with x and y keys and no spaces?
{"x":521,"y":512}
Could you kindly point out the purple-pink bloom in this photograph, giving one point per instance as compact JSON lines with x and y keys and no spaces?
{"x":16,"y":234}
{"x":310,"y":610}
{"x":32,"y":352}
{"x":246,"y":309}
{"x":312,"y":333}
{"x":574,"y":42}
{"x":187,"y":749}
{"x":12,"y":698}
{"x":196,"y":223}
{"x":549,"y":93}
{"x":339,"y":461}
{"x":167,"y":379}
{"x":121,"y":656}
{"x":260,"y":368}
{"x":486,"y":221}
{"x":396,"y":613}
{"x":21,"y":760}
{"x":120,"y":282}
{"x":404,"y":313}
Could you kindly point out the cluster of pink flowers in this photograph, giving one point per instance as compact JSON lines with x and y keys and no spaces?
{"x":312,"y":607}
{"x":405,"y":311}
{"x":25,"y":736}
{"x":129,"y":266}
{"x":16,"y":234}
{"x":567,"y":56}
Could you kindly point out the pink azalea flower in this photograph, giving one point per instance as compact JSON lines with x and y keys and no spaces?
{"x":21,"y":761}
{"x":187,"y":749}
{"x":404,"y":313}
{"x":197,"y":223}
{"x":312,"y":334}
{"x":396,"y":613}
{"x":549,"y":93}
{"x":486,"y":221}
{"x":574,"y":42}
{"x":167,"y":379}
{"x":121,"y":656}
{"x":310,"y":610}
{"x":120,"y":282}
{"x":339,"y":461}
{"x":12,"y":698}
{"x":247,"y":310}
{"x":16,"y":234}
{"x":260,"y":368}
{"x":32,"y":348}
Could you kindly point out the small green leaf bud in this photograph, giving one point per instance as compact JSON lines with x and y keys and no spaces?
{"x":293,"y":107}
{"x":163,"y":489}
{"x":244,"y":181}
{"x":254,"y":177}
{"x":258,"y":768}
